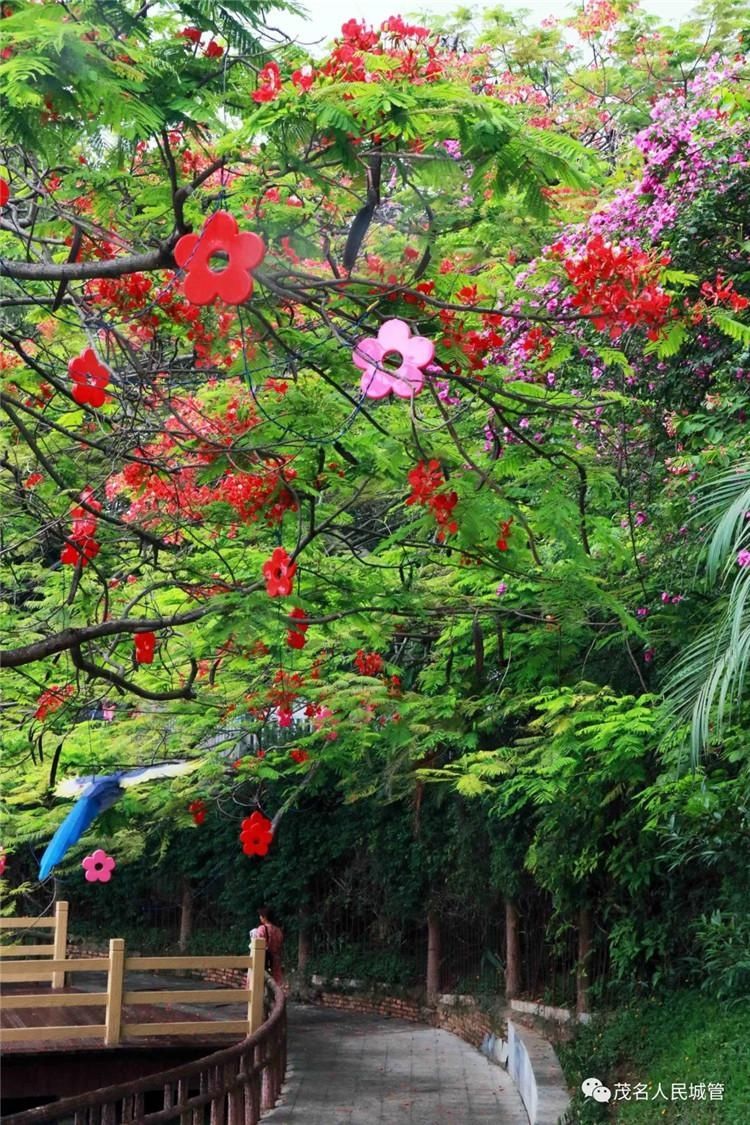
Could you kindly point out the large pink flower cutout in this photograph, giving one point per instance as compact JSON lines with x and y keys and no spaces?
{"x":98,"y":867}
{"x":394,"y":341}
{"x":239,"y":251}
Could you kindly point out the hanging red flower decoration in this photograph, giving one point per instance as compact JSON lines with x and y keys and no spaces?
{"x":299,"y":756}
{"x":4,"y":192}
{"x":256,"y":834}
{"x":243,"y":251}
{"x":269,"y":83}
{"x":197,"y":810}
{"x":279,"y":572}
{"x":145,"y":643}
{"x":90,"y":377}
{"x":295,"y":638}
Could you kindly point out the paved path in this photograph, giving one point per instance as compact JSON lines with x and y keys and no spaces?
{"x":351,"y":1069}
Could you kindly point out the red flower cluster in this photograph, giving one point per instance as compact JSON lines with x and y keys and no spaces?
{"x":145,"y":644}
{"x":368,"y":663}
{"x":295,"y":638}
{"x":617,"y":287}
{"x":83,"y":545}
{"x":90,"y":377}
{"x":213,"y":50}
{"x":52,"y":700}
{"x":474,"y":343}
{"x":256,"y":834}
{"x":279,"y":572}
{"x":505,"y":534}
{"x":303,"y":78}
{"x":536,"y":344}
{"x":197,"y":809}
{"x":425,"y":479}
{"x":283,"y":693}
{"x":721,"y":292}
{"x":191,"y":34}
{"x":269,"y":83}
{"x":299,"y":756}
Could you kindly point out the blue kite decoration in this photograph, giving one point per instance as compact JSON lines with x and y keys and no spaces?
{"x":95,"y":794}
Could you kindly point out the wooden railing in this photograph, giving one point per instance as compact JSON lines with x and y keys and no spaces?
{"x":115,"y":1028}
{"x":54,"y":951}
{"x":230,"y":1087}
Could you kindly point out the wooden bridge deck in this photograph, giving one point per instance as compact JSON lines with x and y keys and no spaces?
{"x":82,"y":1016}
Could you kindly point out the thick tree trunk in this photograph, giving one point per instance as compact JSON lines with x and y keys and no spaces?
{"x":585,"y":932}
{"x":186,"y":915}
{"x":433,"y":956}
{"x":303,"y":941}
{"x":512,"y":951}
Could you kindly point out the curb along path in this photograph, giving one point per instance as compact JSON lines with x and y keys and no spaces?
{"x":351,"y":1069}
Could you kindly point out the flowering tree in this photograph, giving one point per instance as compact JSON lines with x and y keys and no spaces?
{"x":355,"y":406}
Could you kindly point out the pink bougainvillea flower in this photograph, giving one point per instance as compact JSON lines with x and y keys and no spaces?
{"x":240,"y":251}
{"x":394,"y":341}
{"x":256,"y":834}
{"x":90,"y":377}
{"x":4,"y":192}
{"x":98,"y":867}
{"x":279,"y":572}
{"x":269,"y":83}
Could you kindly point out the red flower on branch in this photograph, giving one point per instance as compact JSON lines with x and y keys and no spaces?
{"x":295,"y":638}
{"x":304,"y":78}
{"x":505,"y":534}
{"x":90,"y":377}
{"x":279,"y":572}
{"x":256,"y":834}
{"x":368,"y":663}
{"x":425,"y":479}
{"x":269,"y":83}
{"x":145,"y":643}
{"x":191,"y":34}
{"x":213,"y":50}
{"x":239,"y":252}
{"x":52,"y":699}
{"x":83,"y":546}
{"x":197,"y":810}
{"x":4,"y":192}
{"x":299,"y":756}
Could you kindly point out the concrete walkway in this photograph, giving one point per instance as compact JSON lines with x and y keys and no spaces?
{"x":351,"y":1069}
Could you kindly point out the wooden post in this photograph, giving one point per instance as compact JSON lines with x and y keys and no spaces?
{"x":115,"y":979}
{"x":60,"y":942}
{"x":303,"y":941}
{"x":257,"y":983}
{"x":186,"y":915}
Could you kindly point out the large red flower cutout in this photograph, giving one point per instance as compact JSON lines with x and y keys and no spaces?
{"x":256,"y":834}
{"x":240,"y":251}
{"x":90,"y":377}
{"x":4,"y":192}
{"x":279,"y":573}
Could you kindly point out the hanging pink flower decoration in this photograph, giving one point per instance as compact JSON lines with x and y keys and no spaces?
{"x":279,"y":572}
{"x":98,"y":867}
{"x":256,"y":834}
{"x":394,"y":340}
{"x":243,"y":251}
{"x":90,"y":377}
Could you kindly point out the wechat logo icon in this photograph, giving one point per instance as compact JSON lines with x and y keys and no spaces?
{"x":592,"y":1088}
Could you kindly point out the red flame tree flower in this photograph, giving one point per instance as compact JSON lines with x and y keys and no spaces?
{"x":256,"y":834}
{"x":240,"y":251}
{"x":296,"y":638}
{"x":145,"y":644}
